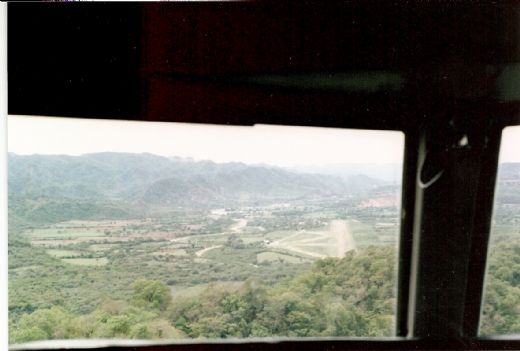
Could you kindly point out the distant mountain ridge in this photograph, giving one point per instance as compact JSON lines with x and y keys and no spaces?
{"x":509,"y":170}
{"x":109,"y":185}
{"x":149,"y":179}
{"x":387,"y":172}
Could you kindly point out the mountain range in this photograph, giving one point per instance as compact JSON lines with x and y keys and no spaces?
{"x":147,"y":180}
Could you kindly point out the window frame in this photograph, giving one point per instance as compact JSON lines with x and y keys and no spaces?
{"x":415,"y":136}
{"x":482,"y":228}
{"x":426,"y":107}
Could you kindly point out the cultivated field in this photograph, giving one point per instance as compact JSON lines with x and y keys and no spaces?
{"x":245,"y":236}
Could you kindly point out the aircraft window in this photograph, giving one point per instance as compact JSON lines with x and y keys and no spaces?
{"x":148,"y":230}
{"x":501,"y":308}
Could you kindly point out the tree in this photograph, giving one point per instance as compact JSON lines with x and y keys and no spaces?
{"x":151,"y":294}
{"x":45,"y":324}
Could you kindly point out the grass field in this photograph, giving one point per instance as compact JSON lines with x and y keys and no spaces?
{"x":251,"y":239}
{"x":59,"y":233}
{"x":63,"y":253}
{"x":323,"y":249}
{"x":86,"y":261}
{"x":179,"y":291}
{"x":328,"y":241}
{"x":364,"y":234}
{"x":282,"y":234}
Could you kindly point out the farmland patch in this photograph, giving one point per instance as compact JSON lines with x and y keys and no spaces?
{"x":63,"y":233}
{"x":86,"y":261}
{"x":64,"y":253}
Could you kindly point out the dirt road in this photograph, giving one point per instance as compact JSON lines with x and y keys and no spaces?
{"x":345,"y":241}
{"x":203,"y":251}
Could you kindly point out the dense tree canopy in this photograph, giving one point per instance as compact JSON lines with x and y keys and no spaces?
{"x":353,"y":296}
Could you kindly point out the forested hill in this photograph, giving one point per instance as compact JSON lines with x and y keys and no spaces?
{"x":146,"y":179}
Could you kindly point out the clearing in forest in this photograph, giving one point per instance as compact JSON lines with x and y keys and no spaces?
{"x":335,"y":241}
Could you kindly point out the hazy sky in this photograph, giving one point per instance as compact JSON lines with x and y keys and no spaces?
{"x":510,"y":145}
{"x":277,"y":145}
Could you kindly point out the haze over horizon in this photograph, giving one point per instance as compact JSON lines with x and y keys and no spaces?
{"x":284,"y":146}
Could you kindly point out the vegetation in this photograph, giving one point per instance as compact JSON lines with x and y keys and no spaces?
{"x":326,"y":300}
{"x":501,"y":312}
{"x":94,"y":253}
{"x":351,"y":296}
